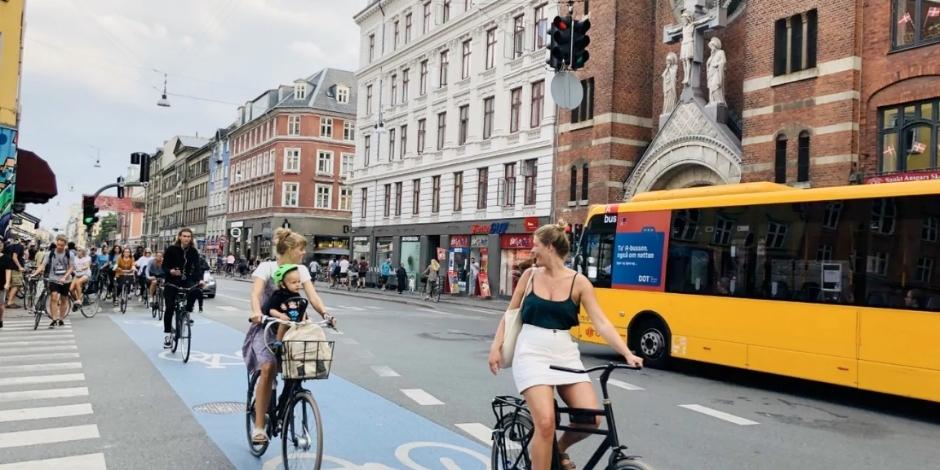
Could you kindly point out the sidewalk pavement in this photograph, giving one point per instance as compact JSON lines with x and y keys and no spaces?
{"x":416,"y":298}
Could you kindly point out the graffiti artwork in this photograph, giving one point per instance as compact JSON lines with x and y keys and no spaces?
{"x":7,"y":175}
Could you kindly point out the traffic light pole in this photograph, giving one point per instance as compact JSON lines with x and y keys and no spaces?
{"x":120,"y":185}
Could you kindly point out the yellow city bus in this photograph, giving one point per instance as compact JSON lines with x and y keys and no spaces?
{"x":836,"y":284}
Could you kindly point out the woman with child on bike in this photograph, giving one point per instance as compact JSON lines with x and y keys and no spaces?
{"x":548,"y":312}
{"x":290,"y":247}
{"x":182,"y":268}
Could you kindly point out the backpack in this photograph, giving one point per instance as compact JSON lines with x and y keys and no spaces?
{"x":48,"y":260}
{"x":307,"y":353}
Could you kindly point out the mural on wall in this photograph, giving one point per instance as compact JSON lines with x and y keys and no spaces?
{"x":7,"y":175}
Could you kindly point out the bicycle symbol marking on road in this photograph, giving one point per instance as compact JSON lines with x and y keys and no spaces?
{"x":211,"y":360}
{"x":403,"y":454}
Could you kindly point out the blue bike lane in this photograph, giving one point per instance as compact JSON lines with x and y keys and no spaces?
{"x":361,"y":430}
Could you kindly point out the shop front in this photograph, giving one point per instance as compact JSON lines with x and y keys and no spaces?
{"x":411,"y":260}
{"x":515,"y":257}
{"x":458,"y":258}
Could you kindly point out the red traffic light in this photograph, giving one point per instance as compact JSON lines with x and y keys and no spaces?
{"x":561,"y":23}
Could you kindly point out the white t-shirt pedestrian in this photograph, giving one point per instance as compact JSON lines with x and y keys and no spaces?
{"x":81,"y":266}
{"x":343,"y":266}
{"x":142,"y":263}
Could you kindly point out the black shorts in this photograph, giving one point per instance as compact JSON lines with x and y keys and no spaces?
{"x":59,"y":288}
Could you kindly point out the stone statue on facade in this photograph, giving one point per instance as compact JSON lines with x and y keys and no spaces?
{"x":669,"y":83}
{"x":687,"y":50}
{"x":716,"y":73}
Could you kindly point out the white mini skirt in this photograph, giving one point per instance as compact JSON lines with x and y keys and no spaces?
{"x":537,"y":349}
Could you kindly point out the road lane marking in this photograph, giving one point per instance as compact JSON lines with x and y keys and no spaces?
{"x":421,"y":397}
{"x":480,"y":310}
{"x":41,"y":379}
{"x":373,"y":307}
{"x":479,"y":432}
{"x":37,"y":336}
{"x":31,"y":343}
{"x":437,"y":312}
{"x":385,"y":371}
{"x":720,"y":415}
{"x":45,"y":412}
{"x":76,"y":462}
{"x":240,"y":299}
{"x":48,"y":436}
{"x":623,"y":385}
{"x":30,"y":328}
{"x":355,"y":309}
{"x":27,"y":357}
{"x":44,"y":394}
{"x":228,"y":308}
{"x":41,"y":367}
{"x":6,"y":351}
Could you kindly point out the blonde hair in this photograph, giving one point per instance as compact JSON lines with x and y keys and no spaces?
{"x":554,"y":235}
{"x":285,"y":240}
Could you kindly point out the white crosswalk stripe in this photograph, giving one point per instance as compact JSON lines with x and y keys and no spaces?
{"x":44,"y":400}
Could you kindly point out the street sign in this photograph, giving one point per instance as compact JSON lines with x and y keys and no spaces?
{"x":235,"y":232}
{"x":566,"y":90}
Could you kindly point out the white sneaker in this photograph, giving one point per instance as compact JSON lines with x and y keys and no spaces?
{"x":167,"y":342}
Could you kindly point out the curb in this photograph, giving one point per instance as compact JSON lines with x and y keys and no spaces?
{"x":399,"y":300}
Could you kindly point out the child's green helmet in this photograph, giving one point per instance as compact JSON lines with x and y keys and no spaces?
{"x":282,"y":271}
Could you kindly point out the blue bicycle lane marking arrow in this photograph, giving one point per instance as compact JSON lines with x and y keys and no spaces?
{"x":360,"y":429}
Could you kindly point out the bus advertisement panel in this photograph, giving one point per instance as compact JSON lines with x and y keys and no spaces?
{"x":640,"y":247}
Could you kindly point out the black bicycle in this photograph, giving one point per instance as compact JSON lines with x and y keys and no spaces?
{"x":182,"y":335}
{"x":513,"y":430}
{"x":156,"y":306}
{"x":294,"y":415}
{"x":433,"y":289}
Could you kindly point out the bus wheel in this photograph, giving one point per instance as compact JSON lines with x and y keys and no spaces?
{"x":651,"y":342}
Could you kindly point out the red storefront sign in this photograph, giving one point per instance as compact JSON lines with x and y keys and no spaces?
{"x":460,"y":241}
{"x":515,"y":242}
{"x":531,"y":224}
{"x":904,"y":177}
{"x":480,"y":229}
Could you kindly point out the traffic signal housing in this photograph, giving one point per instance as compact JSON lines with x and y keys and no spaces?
{"x":580,"y":39}
{"x":120,"y":188}
{"x":559,"y":45}
{"x":89,"y":211}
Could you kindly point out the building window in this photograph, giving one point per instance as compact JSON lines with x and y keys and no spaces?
{"x":368,"y":99}
{"x":465,"y":61}
{"x":585,"y":110}
{"x":802,"y":159}
{"x":724,"y":228}
{"x":884,"y":213}
{"x":391,"y":144}
{"x":518,"y":35}
{"x":464,"y":124}
{"x":930,"y":229}
{"x":291,"y":161}
{"x":395,"y":36}
{"x":293,"y":125}
{"x":832,"y":215}
{"x":483,"y":185}
{"x":915,"y":22}
{"x":780,"y":160}
{"x":371,"y":47}
{"x":423,"y":79}
{"x":324,"y":196}
{"x":538,"y":101}
{"x":584,"y":182}
{"x":342,"y":95}
{"x":795,"y":43}
{"x":573,"y":189}
{"x":349,"y":132}
{"x":422,"y":131}
{"x":541,"y":27}
{"x":394,"y":92}
{"x":458,"y":191}
{"x":528,"y":172}
{"x":435,"y":194}
{"x":398,"y":198}
{"x":877,"y":263}
{"x":415,"y":196}
{"x":441,"y":129}
{"x":445,"y":12}
{"x":909,"y":136}
{"x":490,"y":48}
{"x":509,"y":184}
{"x":388,"y":200}
{"x":300,"y":91}
{"x":326,"y":127}
{"x":489,"y":110}
{"x":404,"y":85}
{"x":407,"y":28}
{"x":366,"y":149}
{"x":404,"y":141}
{"x":924,"y":271}
{"x":345,"y":199}
{"x":426,"y":26}
{"x":364,"y":199}
{"x":776,"y":235}
{"x":324,"y":162}
{"x":515,"y":109}
{"x":445,"y":58}
{"x":346,"y":165}
{"x":290,"y":194}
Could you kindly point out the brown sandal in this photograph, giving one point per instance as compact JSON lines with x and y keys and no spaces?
{"x":566,"y":466}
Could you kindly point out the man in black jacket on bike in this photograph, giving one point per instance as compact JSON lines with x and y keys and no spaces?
{"x":183,"y":269}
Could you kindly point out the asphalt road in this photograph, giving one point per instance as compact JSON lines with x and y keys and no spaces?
{"x":410,"y":389}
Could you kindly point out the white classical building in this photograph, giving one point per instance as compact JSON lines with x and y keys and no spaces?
{"x":454,"y":154}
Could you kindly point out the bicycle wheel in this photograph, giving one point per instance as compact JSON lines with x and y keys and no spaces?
{"x":630,"y":463}
{"x":256,"y":449}
{"x":437,"y":293}
{"x":124,"y":295}
{"x":153,"y":308}
{"x":90,"y":305}
{"x":186,"y":336}
{"x":38,"y":311}
{"x":302,"y":436}
{"x":160,"y":306}
{"x":511,"y":441}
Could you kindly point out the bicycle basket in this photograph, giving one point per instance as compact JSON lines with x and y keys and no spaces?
{"x":511,"y":434}
{"x":306,"y":359}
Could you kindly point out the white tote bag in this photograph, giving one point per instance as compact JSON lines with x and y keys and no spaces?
{"x":512,"y":324}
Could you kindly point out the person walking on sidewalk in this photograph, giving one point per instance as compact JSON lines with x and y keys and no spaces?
{"x":386,"y":271}
{"x":14,"y":250}
{"x":363,"y":271}
{"x":433,"y":273}
{"x":474,"y":272}
{"x":6,"y":271}
{"x":402,"y":277}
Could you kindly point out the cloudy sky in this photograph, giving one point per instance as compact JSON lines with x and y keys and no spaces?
{"x":89,"y":83}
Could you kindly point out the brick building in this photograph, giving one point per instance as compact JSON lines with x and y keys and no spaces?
{"x":813,"y":90}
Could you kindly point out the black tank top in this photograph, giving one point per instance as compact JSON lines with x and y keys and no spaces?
{"x":550,"y":314}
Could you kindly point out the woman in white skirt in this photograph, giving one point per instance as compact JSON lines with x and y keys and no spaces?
{"x":549,"y":310}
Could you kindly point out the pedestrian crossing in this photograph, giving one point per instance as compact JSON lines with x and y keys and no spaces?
{"x":45,"y":410}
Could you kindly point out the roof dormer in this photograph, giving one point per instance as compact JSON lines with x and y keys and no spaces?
{"x":300,"y":90}
{"x":342,"y":94}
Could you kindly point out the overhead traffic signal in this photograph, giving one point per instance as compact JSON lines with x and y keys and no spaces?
{"x":559,"y":45}
{"x":142,"y":159}
{"x":580,"y":40}
{"x":89,"y":211}
{"x":120,"y":188}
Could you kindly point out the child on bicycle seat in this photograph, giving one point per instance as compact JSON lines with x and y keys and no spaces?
{"x":287,"y":280}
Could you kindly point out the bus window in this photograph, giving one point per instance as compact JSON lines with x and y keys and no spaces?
{"x":596,"y":254}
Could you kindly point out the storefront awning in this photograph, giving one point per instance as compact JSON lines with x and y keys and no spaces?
{"x":332,"y":251}
{"x":35,"y":181}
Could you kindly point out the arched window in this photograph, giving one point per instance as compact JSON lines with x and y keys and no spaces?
{"x":802,"y":159}
{"x":573,"y":189}
{"x":780,"y":160}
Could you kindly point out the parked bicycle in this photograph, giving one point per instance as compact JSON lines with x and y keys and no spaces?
{"x":513,"y":430}
{"x":294,"y":416}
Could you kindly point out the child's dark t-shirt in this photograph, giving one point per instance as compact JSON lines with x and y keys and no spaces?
{"x":278,"y":299}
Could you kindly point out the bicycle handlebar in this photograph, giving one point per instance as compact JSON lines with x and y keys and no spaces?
{"x":609,"y":366}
